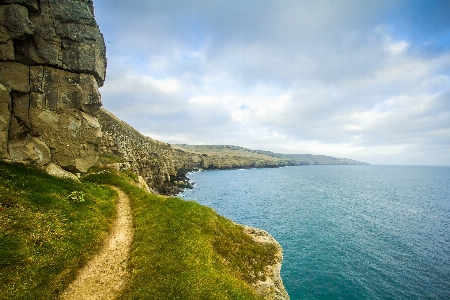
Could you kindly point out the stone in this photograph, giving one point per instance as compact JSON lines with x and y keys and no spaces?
{"x":36,"y":78}
{"x":27,"y":53}
{"x":16,"y":131}
{"x":72,"y":134}
{"x":83,"y":56}
{"x":15,"y":18}
{"x":65,"y":90}
{"x":49,"y":50}
{"x":5,"y":96}
{"x":265,"y":289}
{"x":21,"y":105}
{"x":55,"y":170}
{"x":90,"y":100}
{"x":5,"y":116}
{"x":14,"y":76}
{"x":30,"y":4}
{"x":4,"y":35}
{"x":143,"y":185}
{"x":68,"y":11}
{"x":29,"y":150}
{"x":7,"y":50}
{"x":272,"y":287}
{"x":37,"y":100}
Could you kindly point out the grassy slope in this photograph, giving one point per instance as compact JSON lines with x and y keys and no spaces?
{"x":44,"y":237}
{"x":232,"y":157}
{"x":183,"y":250}
{"x":244,"y":154}
{"x":223,"y":150}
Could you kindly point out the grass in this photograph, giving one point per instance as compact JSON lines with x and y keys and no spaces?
{"x":232,"y":157}
{"x":49,"y":228}
{"x":226,"y":151}
{"x":183,"y":250}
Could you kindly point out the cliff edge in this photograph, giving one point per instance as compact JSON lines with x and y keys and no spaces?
{"x":272,"y":287}
{"x":52,"y":61}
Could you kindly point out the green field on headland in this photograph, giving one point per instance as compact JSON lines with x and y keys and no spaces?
{"x":181,"y":249}
{"x":233,"y":157}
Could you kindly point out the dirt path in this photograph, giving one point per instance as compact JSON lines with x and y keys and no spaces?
{"x":105,"y":275}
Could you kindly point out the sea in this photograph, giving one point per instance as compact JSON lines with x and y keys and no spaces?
{"x":348,"y":232}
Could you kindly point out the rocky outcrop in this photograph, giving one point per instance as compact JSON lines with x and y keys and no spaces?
{"x":162,"y":167}
{"x":52,"y":61}
{"x":272,"y":288}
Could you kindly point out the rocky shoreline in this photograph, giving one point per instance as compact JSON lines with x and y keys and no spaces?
{"x":272,"y":287}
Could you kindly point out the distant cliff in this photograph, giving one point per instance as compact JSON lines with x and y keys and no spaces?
{"x":233,"y":157}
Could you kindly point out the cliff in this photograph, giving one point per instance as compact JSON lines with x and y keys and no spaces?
{"x":233,"y":157}
{"x":162,"y":167}
{"x":272,"y":287}
{"x":226,"y":157}
{"x":52,"y":60}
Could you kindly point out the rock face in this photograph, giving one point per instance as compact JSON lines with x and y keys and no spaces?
{"x":52,"y":61}
{"x":272,"y":288}
{"x":161,"y":166}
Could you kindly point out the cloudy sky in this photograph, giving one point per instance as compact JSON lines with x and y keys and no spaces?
{"x":367,"y":80}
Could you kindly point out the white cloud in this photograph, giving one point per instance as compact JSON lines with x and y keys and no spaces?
{"x":295,"y":76}
{"x":398,"y":47}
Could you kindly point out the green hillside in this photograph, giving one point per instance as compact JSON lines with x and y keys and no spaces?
{"x":227,"y":155}
{"x":49,"y":228}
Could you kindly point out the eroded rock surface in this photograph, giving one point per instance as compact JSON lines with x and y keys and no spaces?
{"x":272,"y":288}
{"x":52,"y":61}
{"x":160,"y":166}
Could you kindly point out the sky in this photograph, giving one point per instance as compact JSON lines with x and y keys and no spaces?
{"x":366,"y":80}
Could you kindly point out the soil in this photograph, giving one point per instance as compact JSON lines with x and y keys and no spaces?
{"x":105,"y":275}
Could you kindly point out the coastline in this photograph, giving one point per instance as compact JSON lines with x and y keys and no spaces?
{"x":272,"y":287}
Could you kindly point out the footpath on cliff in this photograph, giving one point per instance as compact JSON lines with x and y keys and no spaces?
{"x":52,"y":62}
{"x":105,"y":275}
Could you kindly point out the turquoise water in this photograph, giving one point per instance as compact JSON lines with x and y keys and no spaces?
{"x":348,"y":232}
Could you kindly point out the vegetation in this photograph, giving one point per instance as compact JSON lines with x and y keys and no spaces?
{"x":49,"y":228}
{"x":232,"y":157}
{"x":183,"y":250}
{"x":264,"y":158}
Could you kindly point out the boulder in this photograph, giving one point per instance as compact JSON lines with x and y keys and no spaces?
{"x":55,"y":170}
{"x":72,"y":136}
{"x":31,"y":150}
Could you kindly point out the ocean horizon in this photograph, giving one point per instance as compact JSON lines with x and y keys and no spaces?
{"x":348,"y":232}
